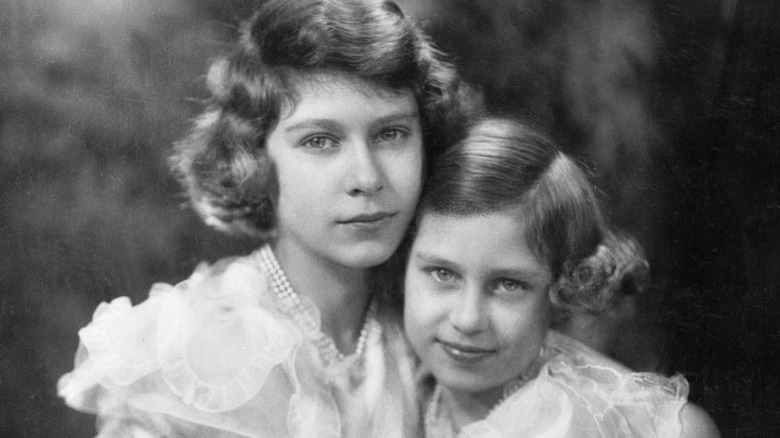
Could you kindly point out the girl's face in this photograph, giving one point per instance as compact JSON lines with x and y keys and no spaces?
{"x":349,"y":159}
{"x":476,"y":304}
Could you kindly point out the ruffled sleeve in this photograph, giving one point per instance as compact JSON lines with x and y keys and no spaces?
{"x":211,"y":352}
{"x":580,"y":393}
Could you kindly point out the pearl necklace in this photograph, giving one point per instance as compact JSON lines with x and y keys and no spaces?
{"x":294,"y":307}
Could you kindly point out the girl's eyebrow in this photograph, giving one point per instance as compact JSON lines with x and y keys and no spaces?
{"x":528,"y":274}
{"x":334,"y":125}
{"x":413,"y":115}
{"x":435,"y":260}
{"x":313,"y":123}
{"x":524,"y":273}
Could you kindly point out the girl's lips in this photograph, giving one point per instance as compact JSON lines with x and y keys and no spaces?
{"x":465,"y":353}
{"x":367,"y":218}
{"x":369,"y":222}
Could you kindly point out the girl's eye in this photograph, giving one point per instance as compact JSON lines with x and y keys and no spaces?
{"x":319,"y":142}
{"x":509,"y":286}
{"x":443,"y":275}
{"x":392,"y":135}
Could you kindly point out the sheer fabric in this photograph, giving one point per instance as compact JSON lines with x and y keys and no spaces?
{"x":580,"y":393}
{"x":217,"y":356}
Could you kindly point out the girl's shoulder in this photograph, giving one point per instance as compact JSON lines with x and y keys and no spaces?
{"x":578,"y":366}
{"x":697,"y":423}
{"x":202,"y":347}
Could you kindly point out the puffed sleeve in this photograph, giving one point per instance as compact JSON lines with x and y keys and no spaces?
{"x":209,"y":354}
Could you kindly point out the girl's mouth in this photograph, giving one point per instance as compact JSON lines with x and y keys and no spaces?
{"x":368,"y":218}
{"x":465,"y":353}
{"x":369,"y":222}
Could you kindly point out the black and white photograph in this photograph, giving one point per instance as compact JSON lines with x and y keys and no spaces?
{"x":389,"y":218}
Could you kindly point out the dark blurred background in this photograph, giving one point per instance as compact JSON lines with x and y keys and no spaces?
{"x":674,"y":106}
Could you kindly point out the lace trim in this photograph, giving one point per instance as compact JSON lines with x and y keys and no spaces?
{"x":102,"y":337}
{"x":181,"y":331}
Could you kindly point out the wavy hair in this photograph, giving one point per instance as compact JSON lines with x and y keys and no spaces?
{"x":223,"y":164}
{"x":503,"y":164}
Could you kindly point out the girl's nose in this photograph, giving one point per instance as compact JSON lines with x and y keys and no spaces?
{"x":365,"y":175}
{"x":468,"y":314}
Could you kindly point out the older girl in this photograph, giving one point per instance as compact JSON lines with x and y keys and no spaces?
{"x":509,"y":235}
{"x":316,"y":137}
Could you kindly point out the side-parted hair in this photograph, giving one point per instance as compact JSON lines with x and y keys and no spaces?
{"x":501,"y":165}
{"x":223,"y":164}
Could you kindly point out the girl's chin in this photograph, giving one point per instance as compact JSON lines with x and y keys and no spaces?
{"x":485,"y":385}
{"x":487,"y":392}
{"x":365,"y":255}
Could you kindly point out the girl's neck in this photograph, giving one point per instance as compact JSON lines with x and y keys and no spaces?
{"x":464,"y":407}
{"x":339,"y":292}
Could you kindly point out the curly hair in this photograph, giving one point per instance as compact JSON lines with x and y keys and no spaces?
{"x":598,"y":282}
{"x":501,"y":165}
{"x":223,"y":164}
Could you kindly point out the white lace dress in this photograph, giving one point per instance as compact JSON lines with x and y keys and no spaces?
{"x":578,"y":393}
{"x":222,"y":355}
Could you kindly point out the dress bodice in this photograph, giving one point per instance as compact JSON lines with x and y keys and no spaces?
{"x":220,"y":354}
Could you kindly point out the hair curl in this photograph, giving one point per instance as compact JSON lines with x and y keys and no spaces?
{"x":223,"y":164}
{"x":502,"y":164}
{"x":598,"y":282}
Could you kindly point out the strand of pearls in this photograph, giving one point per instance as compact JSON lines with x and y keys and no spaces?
{"x":294,"y":307}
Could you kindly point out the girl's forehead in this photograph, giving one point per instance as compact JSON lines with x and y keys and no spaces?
{"x":502,"y":223}
{"x":319,"y":81}
{"x":505,"y":222}
{"x":344,"y":96}
{"x":480,"y":243}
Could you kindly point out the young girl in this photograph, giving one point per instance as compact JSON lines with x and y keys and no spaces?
{"x":315,"y":136}
{"x":508,"y":238}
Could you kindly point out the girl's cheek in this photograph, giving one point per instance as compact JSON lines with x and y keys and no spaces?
{"x":432,"y":308}
{"x":414,"y":307}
